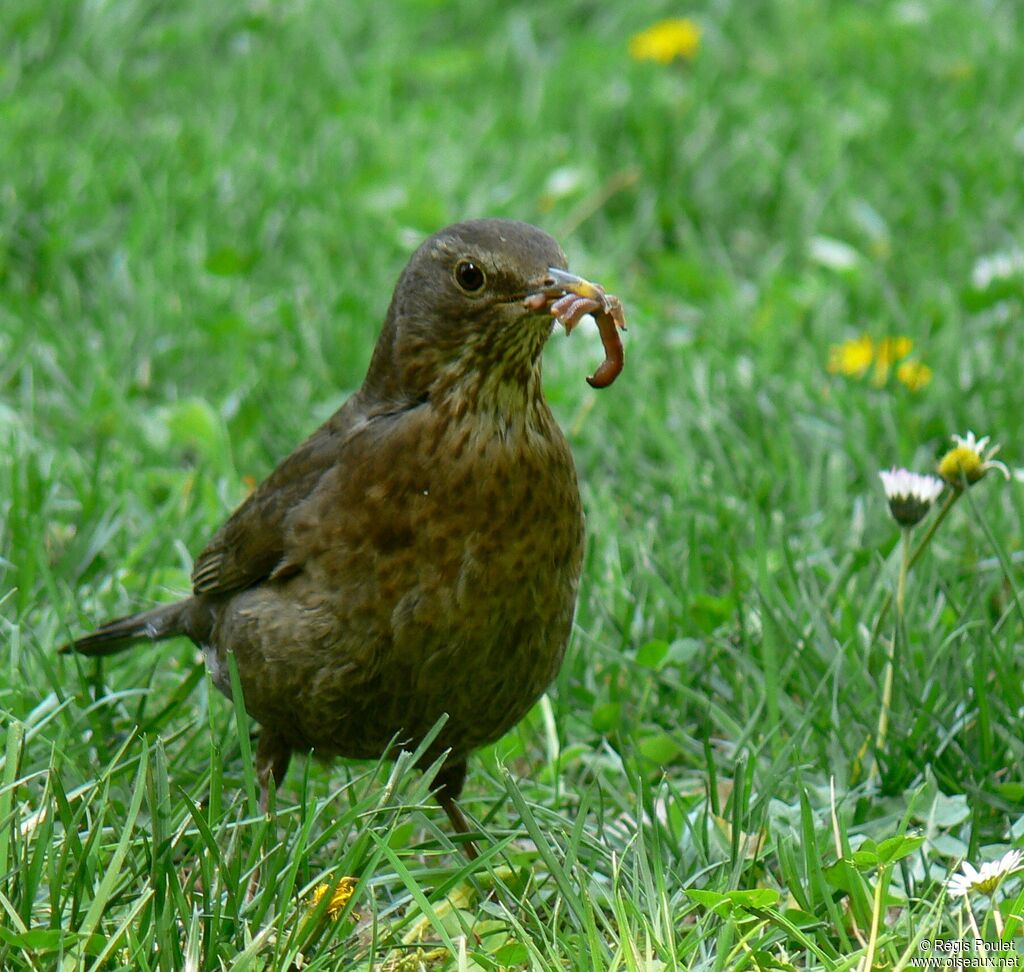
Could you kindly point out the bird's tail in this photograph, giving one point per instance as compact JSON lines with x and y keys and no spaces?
{"x":161,"y":622}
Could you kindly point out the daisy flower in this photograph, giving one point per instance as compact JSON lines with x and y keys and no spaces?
{"x":969,"y":459}
{"x":910,"y":495}
{"x":984,"y":880}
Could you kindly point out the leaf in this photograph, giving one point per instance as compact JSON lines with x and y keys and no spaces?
{"x":712,"y":900}
{"x":659,"y":748}
{"x":744,"y":901}
{"x":606,"y":717}
{"x":844,"y":876}
{"x":943,"y":811}
{"x":864,"y":860}
{"x":765,"y":960}
{"x":512,"y":954}
{"x":708,"y":612}
{"x":945,"y":845}
{"x":653,"y":654}
{"x":896,"y":848}
{"x":1011,"y":790}
{"x":754,"y":898}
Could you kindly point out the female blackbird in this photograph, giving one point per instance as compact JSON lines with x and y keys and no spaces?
{"x":420,"y":553}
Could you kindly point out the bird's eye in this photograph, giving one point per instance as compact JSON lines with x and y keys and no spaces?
{"x":470,"y":277}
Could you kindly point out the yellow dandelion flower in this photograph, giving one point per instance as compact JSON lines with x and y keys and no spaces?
{"x":888,"y":351}
{"x":678,"y":37}
{"x":891,"y":349}
{"x":340,"y":895}
{"x":914,"y":374}
{"x":969,"y":460}
{"x":852,"y":357}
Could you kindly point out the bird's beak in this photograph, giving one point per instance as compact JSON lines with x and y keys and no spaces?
{"x":557,"y":283}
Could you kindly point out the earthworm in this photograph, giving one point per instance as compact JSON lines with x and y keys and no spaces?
{"x":607,"y":312}
{"x":609,"y":320}
{"x":568,"y":298}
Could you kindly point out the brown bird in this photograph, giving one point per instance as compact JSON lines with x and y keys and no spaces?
{"x":420,"y":553}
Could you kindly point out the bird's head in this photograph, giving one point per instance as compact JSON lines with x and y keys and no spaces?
{"x":460,"y":326}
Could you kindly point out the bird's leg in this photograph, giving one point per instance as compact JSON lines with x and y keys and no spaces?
{"x":272,"y":756}
{"x":449,"y":785}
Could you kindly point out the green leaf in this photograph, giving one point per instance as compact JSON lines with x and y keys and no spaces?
{"x":708,"y":612}
{"x":659,"y":748}
{"x":1012,"y":791}
{"x":754,"y":898}
{"x":936,"y":811}
{"x":606,"y":717}
{"x":653,"y":654}
{"x":512,"y":954}
{"x":865,"y":860}
{"x":846,"y":877}
{"x":712,"y":900}
{"x":896,"y":848}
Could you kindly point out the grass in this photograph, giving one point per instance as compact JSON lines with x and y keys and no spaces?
{"x":203,"y":209}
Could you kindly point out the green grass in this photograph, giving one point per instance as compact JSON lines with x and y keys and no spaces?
{"x":203,"y":209}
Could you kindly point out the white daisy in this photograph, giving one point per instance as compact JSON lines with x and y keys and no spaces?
{"x":983,"y":880}
{"x":997,"y":267}
{"x":969,"y":460}
{"x":910,"y":494}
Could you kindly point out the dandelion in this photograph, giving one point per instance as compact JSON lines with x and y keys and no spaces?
{"x":969,"y":460}
{"x":852,"y":357}
{"x":914,"y":374}
{"x":340,"y":895}
{"x":857,"y":355}
{"x":893,"y":348}
{"x":888,"y":351}
{"x":910,"y":495}
{"x":986,"y":879}
{"x":666,"y":40}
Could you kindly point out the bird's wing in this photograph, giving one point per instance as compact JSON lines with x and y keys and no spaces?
{"x":250,"y":546}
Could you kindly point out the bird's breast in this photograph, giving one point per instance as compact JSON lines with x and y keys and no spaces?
{"x":452,"y":564}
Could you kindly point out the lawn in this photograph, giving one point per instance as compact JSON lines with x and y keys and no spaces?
{"x":814,"y":220}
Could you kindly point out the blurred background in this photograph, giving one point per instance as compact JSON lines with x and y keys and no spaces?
{"x":812,"y":212}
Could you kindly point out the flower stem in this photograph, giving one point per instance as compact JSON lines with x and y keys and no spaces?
{"x":897,"y":639}
{"x":901,"y":585}
{"x":883,"y":611}
{"x":996,"y":916}
{"x":974,"y":927}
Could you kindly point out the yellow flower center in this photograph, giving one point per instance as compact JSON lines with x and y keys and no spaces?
{"x":988,"y":886}
{"x":961,"y":464}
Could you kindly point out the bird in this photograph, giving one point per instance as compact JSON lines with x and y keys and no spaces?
{"x":419,"y":555}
